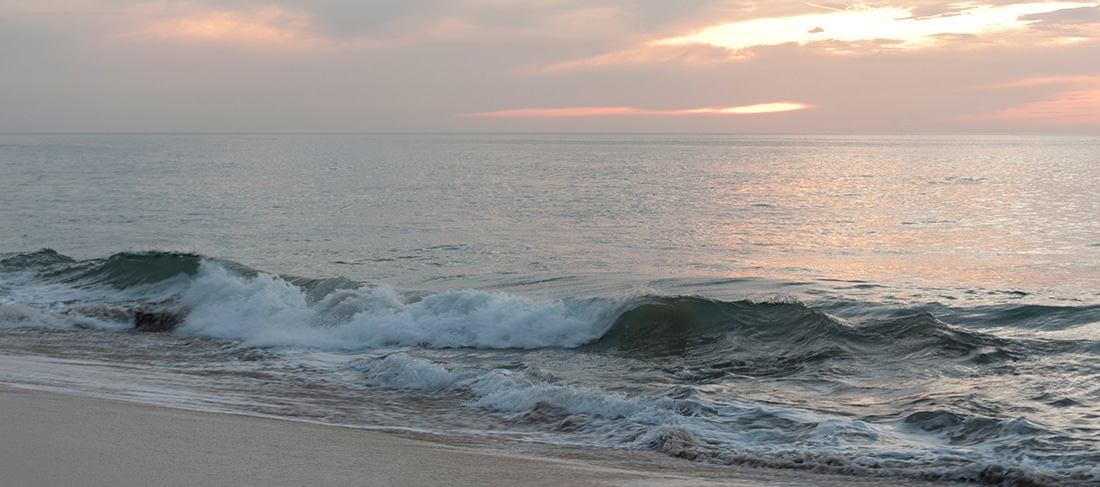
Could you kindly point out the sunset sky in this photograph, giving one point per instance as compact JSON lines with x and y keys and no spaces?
{"x":549,"y":65}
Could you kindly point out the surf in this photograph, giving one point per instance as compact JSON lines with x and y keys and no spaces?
{"x":991,"y":394}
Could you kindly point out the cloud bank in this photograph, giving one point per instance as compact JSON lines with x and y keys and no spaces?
{"x":488,"y":65}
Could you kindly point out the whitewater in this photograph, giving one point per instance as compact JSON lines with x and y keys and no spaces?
{"x":894,"y":307}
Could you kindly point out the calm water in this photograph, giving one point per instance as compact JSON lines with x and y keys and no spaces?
{"x":876,"y":306}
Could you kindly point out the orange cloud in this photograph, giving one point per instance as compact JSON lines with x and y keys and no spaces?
{"x":604,"y":111}
{"x":268,"y":25}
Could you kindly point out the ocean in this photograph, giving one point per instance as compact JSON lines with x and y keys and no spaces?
{"x":890,"y":307}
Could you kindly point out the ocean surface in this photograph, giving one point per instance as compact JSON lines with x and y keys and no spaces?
{"x":883,"y":307}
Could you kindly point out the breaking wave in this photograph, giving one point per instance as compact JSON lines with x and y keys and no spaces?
{"x":693,"y":377}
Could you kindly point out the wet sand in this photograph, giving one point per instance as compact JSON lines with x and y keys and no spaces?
{"x":59,"y":440}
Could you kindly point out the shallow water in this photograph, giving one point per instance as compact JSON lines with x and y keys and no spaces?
{"x":885,"y":307}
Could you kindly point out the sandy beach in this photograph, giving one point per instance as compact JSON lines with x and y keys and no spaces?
{"x":58,"y":440}
{"x":63,"y":440}
{"x":70,"y":440}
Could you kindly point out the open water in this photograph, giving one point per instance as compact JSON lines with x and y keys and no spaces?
{"x":885,"y":307}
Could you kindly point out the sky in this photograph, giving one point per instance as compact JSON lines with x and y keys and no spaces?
{"x":987,"y":66}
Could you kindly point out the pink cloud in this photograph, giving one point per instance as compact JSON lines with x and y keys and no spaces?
{"x":1078,"y":107}
{"x":1077,"y":103}
{"x":1048,"y":80}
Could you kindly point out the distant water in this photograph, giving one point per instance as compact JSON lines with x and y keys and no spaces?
{"x":906,"y":307}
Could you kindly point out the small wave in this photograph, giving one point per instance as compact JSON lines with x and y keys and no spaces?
{"x":732,"y":432}
{"x":772,"y":338}
{"x":34,"y":261}
{"x":524,"y":396}
{"x":963,"y":429}
{"x":924,"y":336}
{"x":121,"y":271}
{"x":777,"y":338}
{"x":1031,"y":316}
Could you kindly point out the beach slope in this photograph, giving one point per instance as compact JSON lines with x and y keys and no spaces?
{"x":60,"y":440}
{"x":67,"y":440}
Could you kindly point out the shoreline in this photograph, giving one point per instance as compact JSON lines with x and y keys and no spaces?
{"x":57,"y":439}
{"x":60,"y":439}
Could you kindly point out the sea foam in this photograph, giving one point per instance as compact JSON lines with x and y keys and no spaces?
{"x":266,"y":310}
